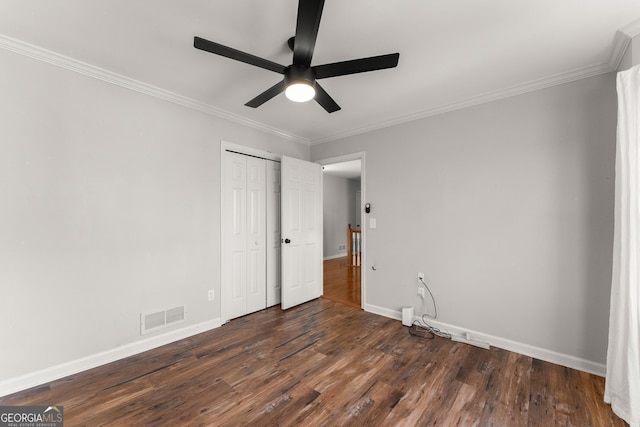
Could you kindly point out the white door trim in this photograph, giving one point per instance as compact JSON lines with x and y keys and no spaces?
{"x":363,"y":196}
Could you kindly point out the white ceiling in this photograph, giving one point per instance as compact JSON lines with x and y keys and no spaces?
{"x":452,"y":53}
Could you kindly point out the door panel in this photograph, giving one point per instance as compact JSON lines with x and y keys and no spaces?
{"x":234,"y":254}
{"x":274,"y":276}
{"x":302,"y":229}
{"x":256,"y":235}
{"x":244,"y":252}
{"x":238,"y":278}
{"x":293,"y":210}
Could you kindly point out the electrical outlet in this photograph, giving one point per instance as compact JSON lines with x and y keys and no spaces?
{"x":421,"y":285}
{"x":211,"y":294}
{"x":342,"y":247}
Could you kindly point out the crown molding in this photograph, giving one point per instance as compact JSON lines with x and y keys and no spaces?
{"x":53,"y":58}
{"x":531,"y":86}
{"x":621,"y":43}
{"x":632,"y":29}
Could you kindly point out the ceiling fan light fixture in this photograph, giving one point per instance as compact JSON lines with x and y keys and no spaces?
{"x":300,"y":77}
{"x":300,"y":91}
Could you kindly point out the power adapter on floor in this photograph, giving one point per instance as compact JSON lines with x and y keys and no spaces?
{"x":407,"y":316}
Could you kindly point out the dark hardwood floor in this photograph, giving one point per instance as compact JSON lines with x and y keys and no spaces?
{"x":324,"y":363}
{"x":342,"y":282}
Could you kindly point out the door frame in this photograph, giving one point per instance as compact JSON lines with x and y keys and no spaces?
{"x":359,"y":155}
{"x":241,"y":149}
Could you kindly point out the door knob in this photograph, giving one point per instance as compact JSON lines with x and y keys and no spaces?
{"x":287,"y":241}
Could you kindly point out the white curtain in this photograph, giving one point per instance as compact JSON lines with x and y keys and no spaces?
{"x":622,"y":388}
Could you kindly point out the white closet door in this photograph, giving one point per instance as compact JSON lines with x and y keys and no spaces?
{"x":301,"y":231}
{"x":273,"y":234}
{"x":256,"y":235}
{"x":244,"y":235}
{"x":234,"y":257}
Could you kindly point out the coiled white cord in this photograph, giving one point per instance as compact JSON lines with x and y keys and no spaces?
{"x":424,"y":322}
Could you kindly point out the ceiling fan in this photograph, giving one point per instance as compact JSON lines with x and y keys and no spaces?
{"x":299,"y":83}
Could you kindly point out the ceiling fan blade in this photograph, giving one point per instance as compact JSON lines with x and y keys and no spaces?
{"x":323,"y":98}
{"x":247,"y":58}
{"x":266,"y":95}
{"x":309,"y":14}
{"x":354,"y":66}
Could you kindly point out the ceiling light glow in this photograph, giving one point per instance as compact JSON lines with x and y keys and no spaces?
{"x":300,"y":92}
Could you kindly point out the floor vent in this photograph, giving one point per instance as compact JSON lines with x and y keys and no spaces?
{"x":150,"y":322}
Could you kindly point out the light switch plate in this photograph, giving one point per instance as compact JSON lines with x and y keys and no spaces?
{"x":372,"y":223}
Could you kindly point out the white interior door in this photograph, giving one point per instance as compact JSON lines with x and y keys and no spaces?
{"x":256,"y":235}
{"x":273,"y":234}
{"x":244,"y":235}
{"x":301,"y":218}
{"x":234,"y":260}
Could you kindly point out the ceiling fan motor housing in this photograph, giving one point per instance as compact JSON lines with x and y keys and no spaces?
{"x":299,"y":74}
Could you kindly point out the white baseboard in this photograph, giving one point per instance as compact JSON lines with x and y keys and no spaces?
{"x":13,"y":385}
{"x":503,"y":343}
{"x":340,"y":255}
{"x":386,"y":312}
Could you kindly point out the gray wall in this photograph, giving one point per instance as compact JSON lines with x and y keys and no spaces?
{"x":339,"y":210}
{"x":109,"y":207}
{"x":508,"y":208}
{"x":354,"y":218}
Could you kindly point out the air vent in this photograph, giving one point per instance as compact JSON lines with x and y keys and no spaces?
{"x":150,"y":322}
{"x":175,"y":315}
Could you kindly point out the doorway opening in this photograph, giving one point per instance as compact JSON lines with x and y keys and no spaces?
{"x":343,"y":240}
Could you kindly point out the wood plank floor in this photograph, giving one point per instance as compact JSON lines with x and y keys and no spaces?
{"x":342,"y":282}
{"x":324,"y":363}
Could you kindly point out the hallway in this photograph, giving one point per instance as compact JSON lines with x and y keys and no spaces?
{"x":342,"y":282}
